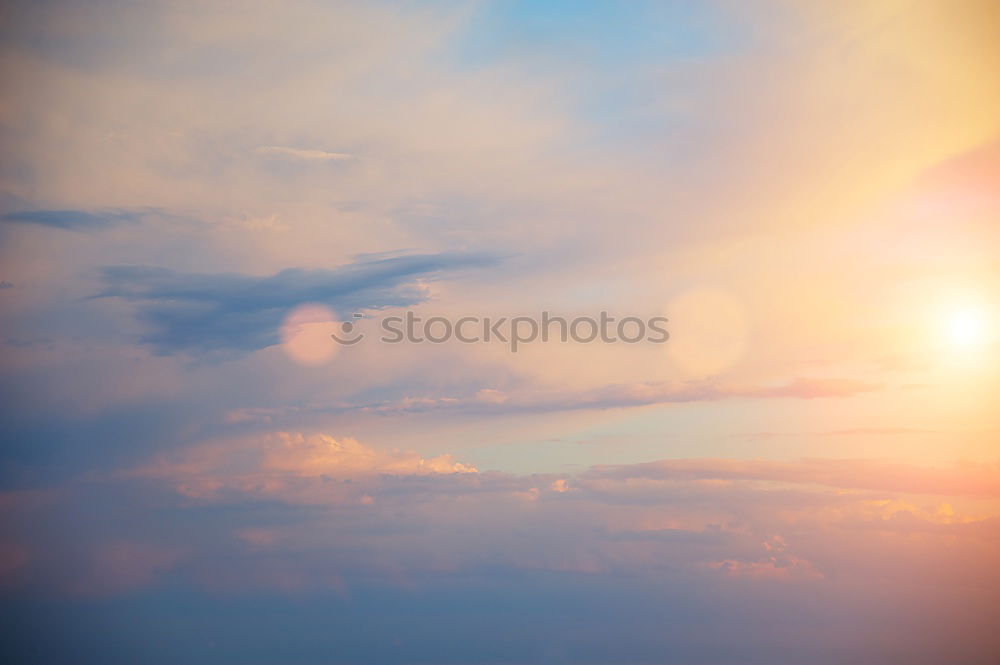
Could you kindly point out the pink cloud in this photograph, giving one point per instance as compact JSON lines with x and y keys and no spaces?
{"x":308,"y":467}
{"x":964,"y":480}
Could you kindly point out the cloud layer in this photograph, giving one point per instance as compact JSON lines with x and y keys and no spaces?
{"x":344,"y":527}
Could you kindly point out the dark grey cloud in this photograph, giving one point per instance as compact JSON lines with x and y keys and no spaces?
{"x":74,"y":220}
{"x":236,"y":313}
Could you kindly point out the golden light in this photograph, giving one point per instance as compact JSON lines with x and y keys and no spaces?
{"x":970,"y":326}
{"x":967,"y":328}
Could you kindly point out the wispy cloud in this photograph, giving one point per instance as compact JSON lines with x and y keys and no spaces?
{"x":303,"y":153}
{"x":614,"y":396}
{"x":75,"y":220}
{"x":962,"y":480}
{"x":236,"y":313}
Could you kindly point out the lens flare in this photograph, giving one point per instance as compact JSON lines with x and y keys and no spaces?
{"x":305,"y":334}
{"x":709,"y":331}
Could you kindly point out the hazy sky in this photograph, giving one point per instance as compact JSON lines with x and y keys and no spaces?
{"x":194,"y":196}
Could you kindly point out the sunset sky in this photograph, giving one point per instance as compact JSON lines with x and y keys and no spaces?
{"x":194,"y":196}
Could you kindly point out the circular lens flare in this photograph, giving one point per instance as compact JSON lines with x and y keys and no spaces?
{"x":305,"y":334}
{"x":709,"y":333}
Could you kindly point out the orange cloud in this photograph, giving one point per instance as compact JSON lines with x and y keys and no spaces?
{"x":296,"y":466}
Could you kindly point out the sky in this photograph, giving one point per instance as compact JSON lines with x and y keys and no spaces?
{"x":195,"y":196}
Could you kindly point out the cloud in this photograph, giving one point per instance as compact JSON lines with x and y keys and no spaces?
{"x":292,"y":466}
{"x":74,"y":220}
{"x":617,"y":396}
{"x":236,"y":313}
{"x":346,"y":511}
{"x":526,"y":400}
{"x":329,"y":522}
{"x":966,"y":480}
{"x":301,"y":153}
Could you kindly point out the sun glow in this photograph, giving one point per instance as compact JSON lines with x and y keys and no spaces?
{"x":967,"y":328}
